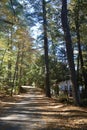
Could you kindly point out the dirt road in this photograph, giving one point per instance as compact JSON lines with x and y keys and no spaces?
{"x":37,"y":112}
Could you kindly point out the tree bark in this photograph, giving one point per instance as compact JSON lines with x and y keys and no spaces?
{"x":69,"y":49}
{"x":15,"y":76}
{"x":10,"y":42}
{"x":79,"y":47}
{"x":21,"y":68}
{"x":47,"y":84}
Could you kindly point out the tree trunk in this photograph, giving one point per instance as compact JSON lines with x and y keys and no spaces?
{"x":69,"y":49}
{"x":79,"y":48}
{"x":21,"y":68}
{"x":15,"y":77}
{"x":10,"y":41}
{"x":47,"y":84}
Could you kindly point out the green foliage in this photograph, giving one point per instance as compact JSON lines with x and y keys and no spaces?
{"x":20,"y":63}
{"x":36,"y":72}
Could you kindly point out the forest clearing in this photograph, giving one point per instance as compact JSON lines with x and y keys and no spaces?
{"x":34,"y":111}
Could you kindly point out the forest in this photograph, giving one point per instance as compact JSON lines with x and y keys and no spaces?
{"x":43,"y":43}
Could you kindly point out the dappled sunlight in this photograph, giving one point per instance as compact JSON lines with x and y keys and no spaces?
{"x":58,"y":106}
{"x":79,"y":121}
{"x":37,"y":112}
{"x":14,"y":117}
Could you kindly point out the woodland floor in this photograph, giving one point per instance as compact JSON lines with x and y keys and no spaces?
{"x":34,"y":111}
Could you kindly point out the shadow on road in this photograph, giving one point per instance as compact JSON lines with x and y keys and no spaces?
{"x":37,"y":112}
